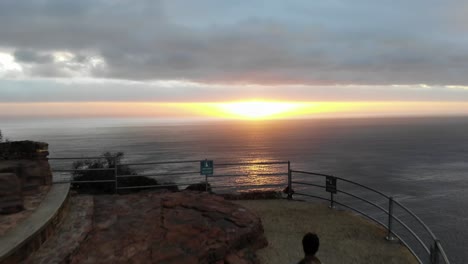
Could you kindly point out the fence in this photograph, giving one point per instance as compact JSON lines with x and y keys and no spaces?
{"x":384,"y":209}
{"x":227,"y":177}
{"x":419,"y":239}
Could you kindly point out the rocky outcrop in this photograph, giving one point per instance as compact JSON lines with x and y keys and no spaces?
{"x":182,"y":227}
{"x":11,"y":197}
{"x":24,"y":167}
{"x":201,"y":187}
{"x":253,"y":195}
{"x":28,"y":160}
{"x":18,"y":150}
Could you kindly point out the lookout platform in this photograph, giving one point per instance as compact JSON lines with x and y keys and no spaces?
{"x":195,"y":227}
{"x":344,"y":236}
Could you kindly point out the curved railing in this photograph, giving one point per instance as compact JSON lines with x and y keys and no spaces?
{"x":419,"y":238}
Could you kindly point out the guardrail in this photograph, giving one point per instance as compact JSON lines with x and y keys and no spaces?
{"x":420,"y":240}
{"x":429,"y":251}
{"x":242,"y":172}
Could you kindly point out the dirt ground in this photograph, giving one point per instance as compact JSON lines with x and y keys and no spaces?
{"x":344,"y":237}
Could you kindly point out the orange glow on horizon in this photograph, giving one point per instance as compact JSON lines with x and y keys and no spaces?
{"x":253,"y":110}
{"x":258,"y":109}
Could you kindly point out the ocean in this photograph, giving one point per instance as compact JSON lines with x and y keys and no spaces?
{"x":422,"y":162}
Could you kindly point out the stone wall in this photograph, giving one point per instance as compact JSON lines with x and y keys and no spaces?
{"x":11,"y":196}
{"x":23,"y":167}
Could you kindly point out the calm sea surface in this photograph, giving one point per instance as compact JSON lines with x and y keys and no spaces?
{"x":422,"y":162}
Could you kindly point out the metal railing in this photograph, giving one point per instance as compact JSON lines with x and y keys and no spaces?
{"x":425,"y":246}
{"x":430,"y":249}
{"x":187,"y":176}
{"x":67,"y":175}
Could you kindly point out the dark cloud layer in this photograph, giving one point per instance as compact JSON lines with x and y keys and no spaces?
{"x":309,"y":42}
{"x":29,"y":56}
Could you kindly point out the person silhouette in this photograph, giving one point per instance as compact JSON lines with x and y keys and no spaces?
{"x":310,"y":244}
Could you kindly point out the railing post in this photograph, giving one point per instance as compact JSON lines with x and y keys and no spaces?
{"x":206,"y":180}
{"x":289,"y":181}
{"x":115,"y":174}
{"x":435,"y":252}
{"x":390,"y":236}
{"x":332,"y":201}
{"x":331,"y":187}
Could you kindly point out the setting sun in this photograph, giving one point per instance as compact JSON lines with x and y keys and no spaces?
{"x":258,"y":109}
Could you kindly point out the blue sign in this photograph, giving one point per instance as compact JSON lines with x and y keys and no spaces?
{"x":206,"y":167}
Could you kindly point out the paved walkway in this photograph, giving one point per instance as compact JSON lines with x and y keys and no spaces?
{"x":31,"y":202}
{"x":73,"y":230}
{"x":16,"y":237}
{"x":344,"y":237}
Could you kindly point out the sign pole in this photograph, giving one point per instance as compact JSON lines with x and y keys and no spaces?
{"x":290,"y":193}
{"x":206,"y":168}
{"x":330,"y":186}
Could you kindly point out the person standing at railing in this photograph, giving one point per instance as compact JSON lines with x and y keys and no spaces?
{"x":310,"y":244}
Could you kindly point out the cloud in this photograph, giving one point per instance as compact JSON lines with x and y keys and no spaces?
{"x":30,"y":56}
{"x":262,"y":42}
{"x":57,"y":64}
{"x":106,"y":90}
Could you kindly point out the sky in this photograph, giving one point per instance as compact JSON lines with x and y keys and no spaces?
{"x":180,"y":58}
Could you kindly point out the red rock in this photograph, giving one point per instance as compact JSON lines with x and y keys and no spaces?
{"x":235,"y":259}
{"x":161,"y":253}
{"x":184,"y":227}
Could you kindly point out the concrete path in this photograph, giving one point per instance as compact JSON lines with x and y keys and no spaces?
{"x":14,"y":239}
{"x":344,"y":237}
{"x":67,"y":238}
{"x":31,"y":202}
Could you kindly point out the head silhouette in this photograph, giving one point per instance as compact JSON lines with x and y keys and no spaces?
{"x":310,"y":243}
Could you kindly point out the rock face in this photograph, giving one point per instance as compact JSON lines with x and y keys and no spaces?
{"x":201,"y":187}
{"x":11,"y":198}
{"x":28,"y":160}
{"x":252,"y":195}
{"x":15,"y":150}
{"x":182,"y":227}
{"x":23,"y":168}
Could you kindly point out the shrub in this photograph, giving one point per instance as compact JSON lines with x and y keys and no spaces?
{"x":201,"y":187}
{"x":107,"y":161}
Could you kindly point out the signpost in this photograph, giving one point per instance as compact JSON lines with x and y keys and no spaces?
{"x":330,"y":186}
{"x":206,"y":168}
